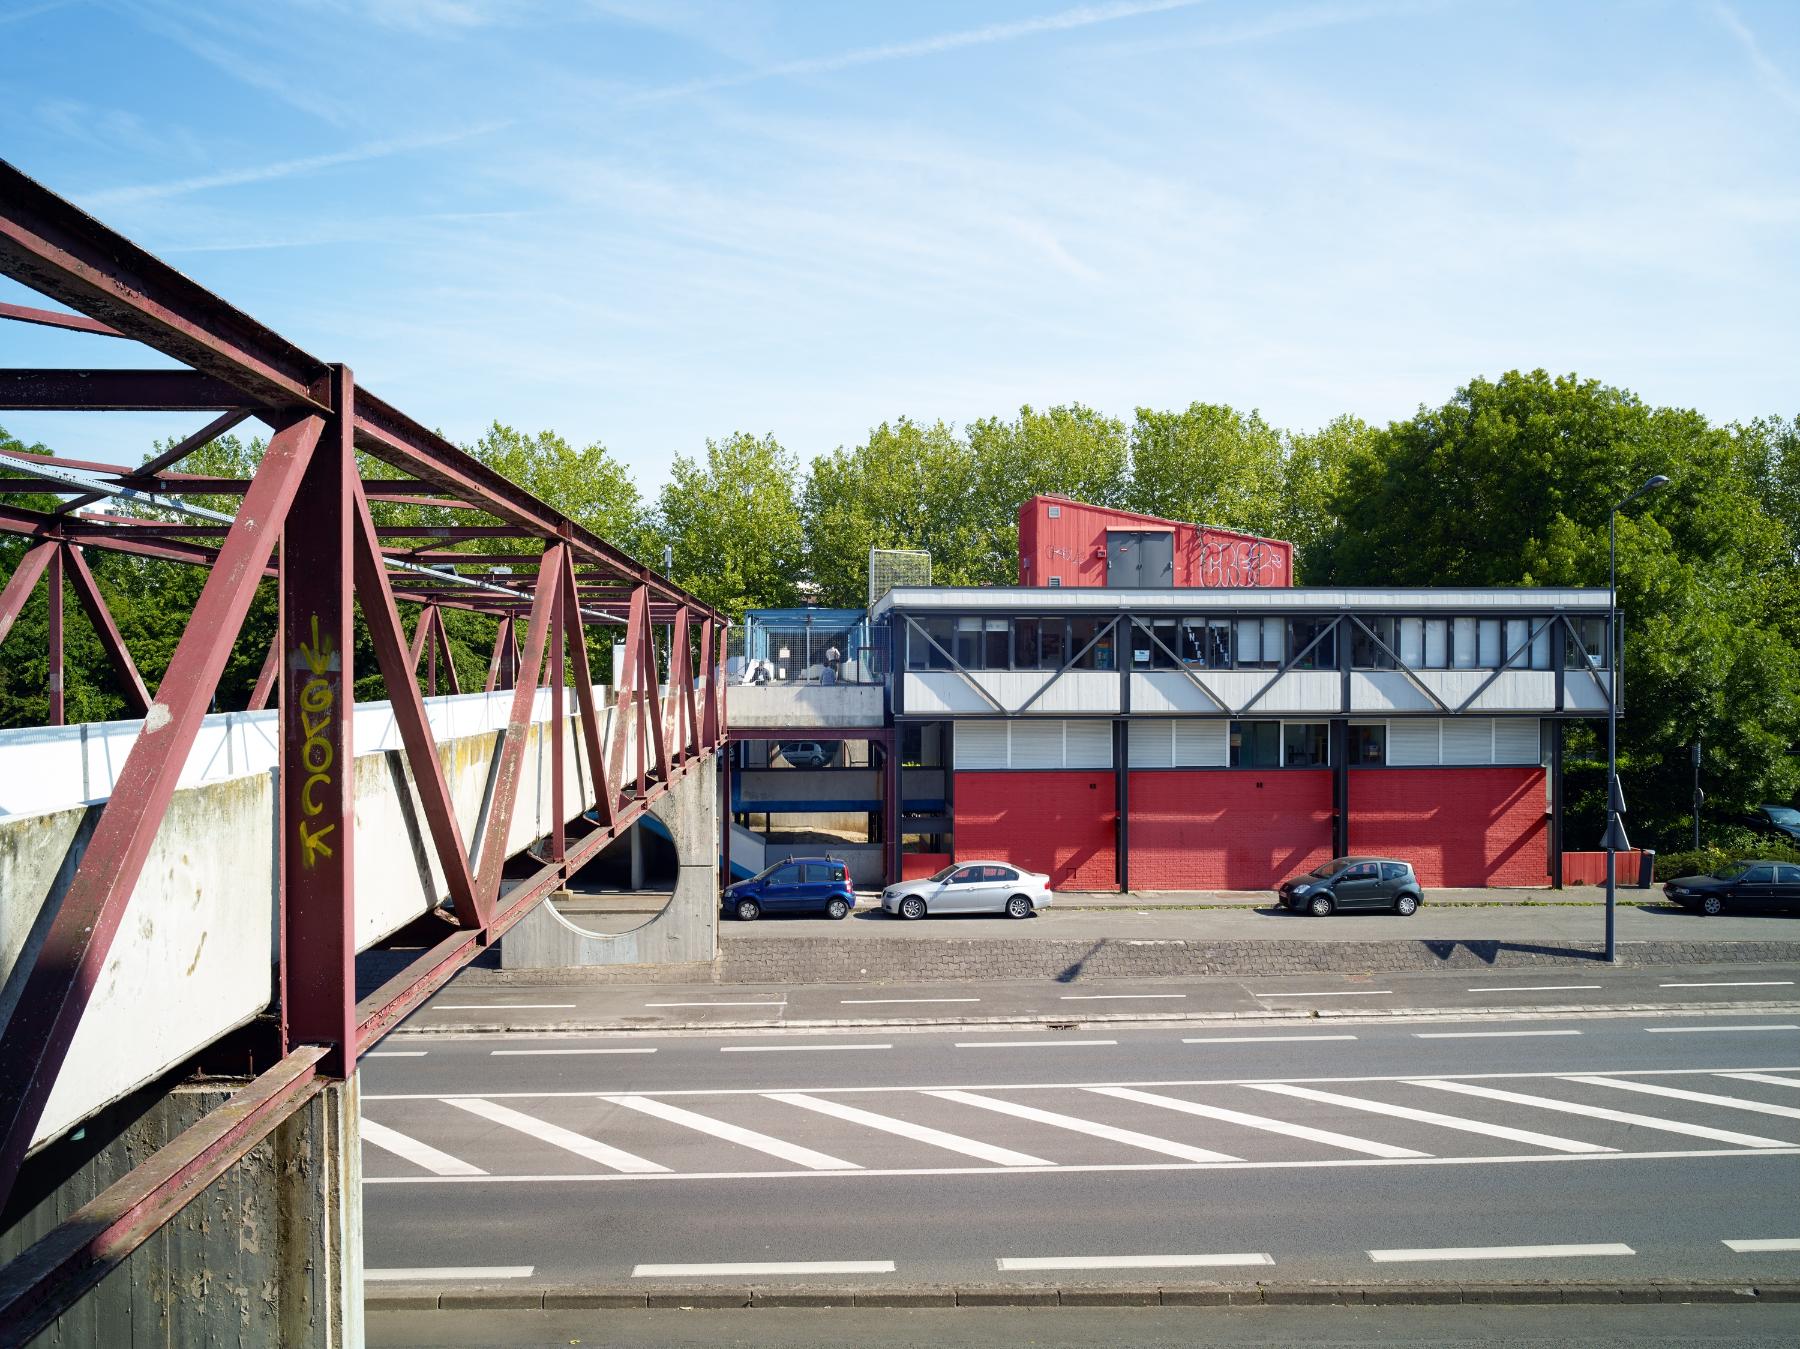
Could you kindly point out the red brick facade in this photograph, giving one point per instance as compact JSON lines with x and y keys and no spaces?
{"x":1061,"y":823}
{"x":1241,"y":829}
{"x":1457,"y":826}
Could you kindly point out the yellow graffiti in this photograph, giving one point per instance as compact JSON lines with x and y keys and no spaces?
{"x":317,"y":706}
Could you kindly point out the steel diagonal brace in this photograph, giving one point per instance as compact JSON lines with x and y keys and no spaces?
{"x":1505,"y":665}
{"x":518,"y":726}
{"x":137,"y":697}
{"x":397,"y":672}
{"x":1110,"y":629}
{"x":37,"y":1038}
{"x":968,"y":678}
{"x":1292,"y":661}
{"x":23,"y":581}
{"x":1403,"y":667}
{"x":1181,"y":665}
{"x":591,"y":736}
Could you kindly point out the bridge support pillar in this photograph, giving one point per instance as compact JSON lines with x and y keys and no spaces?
{"x":269,"y":1253}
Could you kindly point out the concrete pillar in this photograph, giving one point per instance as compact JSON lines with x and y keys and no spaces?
{"x":269,"y":1253}
{"x":637,"y":856}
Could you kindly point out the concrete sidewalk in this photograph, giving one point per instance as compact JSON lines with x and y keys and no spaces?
{"x":1250,"y":899}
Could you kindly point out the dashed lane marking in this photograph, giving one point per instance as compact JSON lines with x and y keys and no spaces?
{"x":1022,"y":1263}
{"x":1552,"y":1252}
{"x":1756,"y":1244}
{"x":445,"y":1273}
{"x":765,"y":1267}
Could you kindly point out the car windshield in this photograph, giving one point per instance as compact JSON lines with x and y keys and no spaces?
{"x":1330,"y":868}
{"x":1783,"y":814}
{"x":944,"y":875}
{"x":1731,"y":871}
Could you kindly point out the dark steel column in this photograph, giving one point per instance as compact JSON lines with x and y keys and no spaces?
{"x":53,"y":600}
{"x":1340,"y":787}
{"x":318,"y":947}
{"x":558,"y":806}
{"x":1556,"y":804}
{"x":893,"y":803}
{"x":1122,"y":799}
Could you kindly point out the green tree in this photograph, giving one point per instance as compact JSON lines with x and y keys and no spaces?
{"x":1070,"y":450}
{"x":733,"y":521}
{"x":1511,"y":483}
{"x":1208,"y":464}
{"x":906,"y":486}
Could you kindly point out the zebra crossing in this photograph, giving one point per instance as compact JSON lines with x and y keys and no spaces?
{"x":649,"y":1136}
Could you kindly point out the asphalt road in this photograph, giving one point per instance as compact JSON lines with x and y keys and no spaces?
{"x":1589,"y":1327}
{"x":1562,"y":1148}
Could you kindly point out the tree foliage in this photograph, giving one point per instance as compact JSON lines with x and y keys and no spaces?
{"x":733,"y":522}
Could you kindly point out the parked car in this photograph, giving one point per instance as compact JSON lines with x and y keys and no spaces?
{"x":971,"y":887}
{"x":807,"y":753}
{"x":797,"y":885}
{"x":1782,"y":822}
{"x":1355,"y":883}
{"x":1751,"y":886}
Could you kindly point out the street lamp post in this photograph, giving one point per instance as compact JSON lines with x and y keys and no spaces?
{"x":1616,"y":841}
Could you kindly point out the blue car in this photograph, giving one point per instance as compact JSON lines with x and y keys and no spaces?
{"x":797,"y":885}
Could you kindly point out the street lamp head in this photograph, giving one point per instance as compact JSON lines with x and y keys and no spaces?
{"x":1650,"y":485}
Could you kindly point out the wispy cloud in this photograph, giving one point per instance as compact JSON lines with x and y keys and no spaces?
{"x":1773,"y":76}
{"x":1082,"y":16}
{"x":285,"y":168}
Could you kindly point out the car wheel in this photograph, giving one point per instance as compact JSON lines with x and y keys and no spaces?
{"x":1018,"y":907}
{"x":912,"y":907}
{"x":1406,"y":906}
{"x":837,"y":909}
{"x":748,"y":910}
{"x":1320,"y":906}
{"x":1712,"y":906}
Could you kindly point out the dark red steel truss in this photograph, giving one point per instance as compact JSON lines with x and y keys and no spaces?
{"x":310,"y":524}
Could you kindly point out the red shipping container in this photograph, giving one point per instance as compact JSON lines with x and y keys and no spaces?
{"x":1070,"y":543}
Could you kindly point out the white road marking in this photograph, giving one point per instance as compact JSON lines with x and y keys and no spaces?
{"x":1601,"y":1112}
{"x":1030,"y":1262}
{"x":1703,"y":1097}
{"x":445,"y":1273}
{"x":1029,"y":1044}
{"x":1765,"y":1244}
{"x":1336,"y":993}
{"x":1762,"y":1077}
{"x":879,"y":1002}
{"x":1258,"y":1039}
{"x":1487,"y":1034}
{"x":1274,"y":1126}
{"x":782,"y":1003}
{"x":937,"y":1138}
{"x":1532,"y":988}
{"x":1130,"y":1137}
{"x":1100,"y":1168}
{"x":1689,"y":1030}
{"x":732,"y":1133}
{"x":765,"y":1267}
{"x":1737,"y":983}
{"x":1498,"y":1252}
{"x":522,"y":1053}
{"x":790,"y":1049}
{"x":1117,"y":997}
{"x":396,"y":1054}
{"x":502,"y":1006}
{"x":421,"y":1154}
{"x":1432,"y":1117}
{"x":555,"y":1135}
{"x":891,"y":1089}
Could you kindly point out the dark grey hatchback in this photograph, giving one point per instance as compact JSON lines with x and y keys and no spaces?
{"x":1355,"y":883}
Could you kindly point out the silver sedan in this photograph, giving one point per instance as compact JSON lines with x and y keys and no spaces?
{"x":971,"y":887}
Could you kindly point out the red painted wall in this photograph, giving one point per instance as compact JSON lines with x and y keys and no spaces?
{"x":1062,"y":823}
{"x":1238,"y":829}
{"x":1457,"y":826}
{"x":1072,"y":548}
{"x":916,"y":866}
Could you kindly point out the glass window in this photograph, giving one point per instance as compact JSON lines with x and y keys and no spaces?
{"x":1274,"y":641}
{"x":1302,"y":631}
{"x":1586,"y":644}
{"x":1368,"y":745}
{"x":1256,"y":744}
{"x":1092,"y":634}
{"x":1490,"y":657}
{"x":1462,"y":643}
{"x":1760,"y":876}
{"x":1025,"y":643}
{"x":1053,"y":639}
{"x":1362,"y":871}
{"x":1540,"y":645}
{"x":1787,"y":875}
{"x":1306,"y":744}
{"x":994,"y":650}
{"x":1392,"y":871}
{"x":968,"y":643}
{"x":1437,"y":643}
{"x":927,"y":643}
{"x":1365,"y":651}
{"x":1162,"y":650}
{"x":1412,"y":642}
{"x":1518,"y":635}
{"x":1219,"y":644}
{"x":1193,"y":641}
{"x":1249,"y":642}
{"x":785,"y":875}
{"x":965,"y":876}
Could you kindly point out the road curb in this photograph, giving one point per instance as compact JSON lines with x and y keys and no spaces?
{"x":1261,"y":1016}
{"x":423,"y":1297}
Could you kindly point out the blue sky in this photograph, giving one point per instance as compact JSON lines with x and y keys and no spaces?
{"x":649,"y":223}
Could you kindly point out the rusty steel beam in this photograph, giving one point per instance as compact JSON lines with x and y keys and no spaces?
{"x":55,"y":318}
{"x":36,"y":1039}
{"x":53,"y":598}
{"x":114,"y":391}
{"x":271,"y":669}
{"x":87,"y":590}
{"x":318,"y":751}
{"x":592,"y":730}
{"x":45,"y":1279}
{"x":217,"y":427}
{"x":23,"y":581}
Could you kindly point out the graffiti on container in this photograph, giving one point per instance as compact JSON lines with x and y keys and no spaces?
{"x":1239,"y":562}
{"x":317,"y":709}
